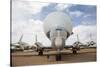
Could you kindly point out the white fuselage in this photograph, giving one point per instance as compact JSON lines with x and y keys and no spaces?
{"x":57,"y":27}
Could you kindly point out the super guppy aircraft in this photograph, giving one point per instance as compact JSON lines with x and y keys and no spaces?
{"x":58,"y":27}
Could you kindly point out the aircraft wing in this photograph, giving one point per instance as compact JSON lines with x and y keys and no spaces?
{"x":47,"y":47}
{"x":80,"y":46}
{"x":68,"y":46}
{"x":87,"y":46}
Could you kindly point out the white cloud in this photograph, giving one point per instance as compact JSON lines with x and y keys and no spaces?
{"x":83,"y":32}
{"x":61,"y":7}
{"x":87,"y":15}
{"x":20,"y":11}
{"x":23,"y":23}
{"x":86,"y":22}
{"x":76,"y":13}
{"x":34,"y":27}
{"x":23,"y":10}
{"x":36,"y":7}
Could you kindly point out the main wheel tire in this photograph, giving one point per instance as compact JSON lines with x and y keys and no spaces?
{"x":74,"y":52}
{"x":40,"y":52}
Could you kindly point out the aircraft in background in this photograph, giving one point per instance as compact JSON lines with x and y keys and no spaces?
{"x":22,"y":46}
{"x":19,"y":46}
{"x":39,"y":47}
{"x":58,"y":27}
{"x":91,"y":42}
{"x":76,"y":46}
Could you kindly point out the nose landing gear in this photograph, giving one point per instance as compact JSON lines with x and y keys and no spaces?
{"x":58,"y":57}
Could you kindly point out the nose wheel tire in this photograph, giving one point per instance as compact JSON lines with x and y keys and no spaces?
{"x":58,"y":57}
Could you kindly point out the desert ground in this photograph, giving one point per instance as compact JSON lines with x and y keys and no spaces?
{"x":32,"y":58}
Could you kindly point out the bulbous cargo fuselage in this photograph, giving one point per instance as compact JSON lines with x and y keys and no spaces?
{"x":57,"y":27}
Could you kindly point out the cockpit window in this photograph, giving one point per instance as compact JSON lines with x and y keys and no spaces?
{"x":59,"y":29}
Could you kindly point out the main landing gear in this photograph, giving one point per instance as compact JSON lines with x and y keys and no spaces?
{"x":41,"y":52}
{"x":74,"y":51}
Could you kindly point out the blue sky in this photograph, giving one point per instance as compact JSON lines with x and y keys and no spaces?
{"x":28,"y":18}
{"x":83,"y":13}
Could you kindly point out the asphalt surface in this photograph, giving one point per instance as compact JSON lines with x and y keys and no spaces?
{"x":32,"y":58}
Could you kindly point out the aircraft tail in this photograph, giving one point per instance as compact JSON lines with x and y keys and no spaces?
{"x":21,"y":38}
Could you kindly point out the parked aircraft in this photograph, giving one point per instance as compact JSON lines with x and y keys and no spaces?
{"x":58,"y":27}
{"x":19,"y":46}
